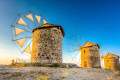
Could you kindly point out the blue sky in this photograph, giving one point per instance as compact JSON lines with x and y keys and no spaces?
{"x":97,"y":20}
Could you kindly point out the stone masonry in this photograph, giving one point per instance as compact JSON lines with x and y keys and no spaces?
{"x":90,"y":56}
{"x":47,"y":46}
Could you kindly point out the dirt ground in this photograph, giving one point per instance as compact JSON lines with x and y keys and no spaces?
{"x":48,"y":73}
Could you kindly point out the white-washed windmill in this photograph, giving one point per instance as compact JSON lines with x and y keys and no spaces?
{"x":42,"y":40}
{"x":22,"y":28}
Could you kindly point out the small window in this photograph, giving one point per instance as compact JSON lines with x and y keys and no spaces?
{"x":84,"y":51}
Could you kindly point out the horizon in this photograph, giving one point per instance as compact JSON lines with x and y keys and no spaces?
{"x":94,"y":21}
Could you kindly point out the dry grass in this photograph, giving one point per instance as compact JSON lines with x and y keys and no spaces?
{"x":88,"y":71}
{"x":109,"y":78}
{"x":4,"y":73}
{"x":41,"y":77}
{"x":74,"y":72}
{"x":118,"y":74}
{"x":23,"y":64}
{"x":16,"y":73}
{"x":64,"y":74}
{"x":44,"y":73}
{"x":47,"y":73}
{"x":31,"y":71}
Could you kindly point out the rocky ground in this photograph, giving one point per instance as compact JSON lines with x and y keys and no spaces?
{"x":48,"y":73}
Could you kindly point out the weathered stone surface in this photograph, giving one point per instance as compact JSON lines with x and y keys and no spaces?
{"x":47,"y":46}
{"x":90,"y":57}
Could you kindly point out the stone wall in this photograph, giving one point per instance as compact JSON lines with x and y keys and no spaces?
{"x":47,"y":46}
{"x":95,"y":57}
{"x":90,"y":57}
{"x":111,"y":63}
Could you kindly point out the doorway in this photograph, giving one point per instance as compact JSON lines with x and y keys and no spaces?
{"x":85,"y":63}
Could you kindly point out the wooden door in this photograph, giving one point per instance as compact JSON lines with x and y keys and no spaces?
{"x":109,"y":67}
{"x":85,"y":63}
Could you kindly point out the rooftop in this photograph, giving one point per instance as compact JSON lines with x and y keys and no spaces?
{"x":48,"y":25}
{"x":90,"y":44}
{"x":110,"y":55}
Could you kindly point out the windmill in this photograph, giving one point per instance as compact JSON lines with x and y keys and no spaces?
{"x":89,"y":56}
{"x":22,"y":28}
{"x":35,"y":36}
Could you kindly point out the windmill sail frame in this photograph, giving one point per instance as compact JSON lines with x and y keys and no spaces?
{"x":17,"y":30}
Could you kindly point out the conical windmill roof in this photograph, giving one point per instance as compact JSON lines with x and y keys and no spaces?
{"x":48,"y":25}
{"x":90,"y":44}
{"x":110,"y":55}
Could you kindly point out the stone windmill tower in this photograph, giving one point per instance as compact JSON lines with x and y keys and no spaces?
{"x":111,"y":61}
{"x":42,"y":40}
{"x":89,"y":56}
{"x":47,"y":44}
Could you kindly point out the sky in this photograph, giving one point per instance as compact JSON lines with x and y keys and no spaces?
{"x":97,"y":21}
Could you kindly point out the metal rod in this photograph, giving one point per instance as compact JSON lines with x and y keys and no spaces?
{"x":73,"y":44}
{"x":76,"y":49}
{"x":35,"y":24}
{"x":29,"y":27}
{"x":73,"y":59}
{"x":75,"y":40}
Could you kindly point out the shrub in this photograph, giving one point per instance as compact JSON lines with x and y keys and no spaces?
{"x":13,"y":63}
{"x":23,"y":64}
{"x":55,"y":65}
{"x":97,"y":66}
{"x":37,"y":64}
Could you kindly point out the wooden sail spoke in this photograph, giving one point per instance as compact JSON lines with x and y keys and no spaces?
{"x":75,"y":55}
